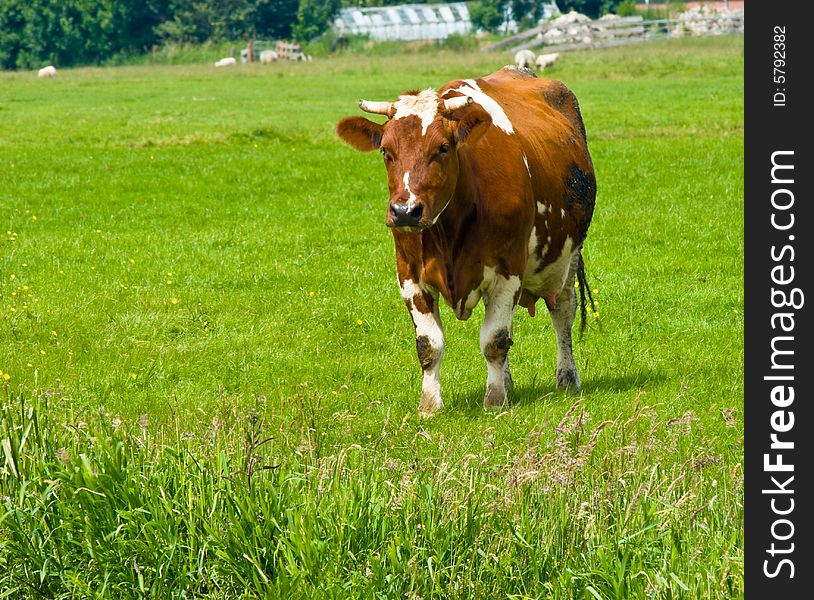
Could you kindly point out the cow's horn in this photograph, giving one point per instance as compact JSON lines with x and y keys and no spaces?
{"x":456,"y":103}
{"x":377,"y":108}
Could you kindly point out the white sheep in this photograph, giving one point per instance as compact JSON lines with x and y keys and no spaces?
{"x":546,"y":60}
{"x":524,"y":59}
{"x":269,"y":56}
{"x":226,"y":62}
{"x":49,"y":71}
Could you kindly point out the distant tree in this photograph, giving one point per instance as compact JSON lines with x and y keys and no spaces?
{"x":135,"y":22}
{"x":488,"y":14}
{"x":275,"y":18}
{"x":13,"y":39}
{"x":591,"y":8}
{"x":528,"y":12}
{"x":314,"y":17}
{"x":201,"y":20}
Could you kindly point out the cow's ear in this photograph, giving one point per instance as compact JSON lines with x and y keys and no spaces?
{"x":361,"y":133}
{"x":470,"y":123}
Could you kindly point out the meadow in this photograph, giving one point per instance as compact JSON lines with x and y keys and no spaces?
{"x":209,"y":381}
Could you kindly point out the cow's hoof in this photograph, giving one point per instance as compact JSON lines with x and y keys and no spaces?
{"x":495,"y":398}
{"x":567,"y":378}
{"x":429,"y":405}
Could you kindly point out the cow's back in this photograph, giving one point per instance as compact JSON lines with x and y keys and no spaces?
{"x":548,"y":135}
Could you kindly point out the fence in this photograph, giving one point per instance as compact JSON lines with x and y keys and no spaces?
{"x":617,"y":31}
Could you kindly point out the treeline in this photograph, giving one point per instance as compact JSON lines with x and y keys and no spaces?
{"x":73,"y":32}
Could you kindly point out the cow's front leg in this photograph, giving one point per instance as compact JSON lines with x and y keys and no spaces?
{"x":496,"y":338}
{"x":429,"y":343}
{"x":562,"y":317}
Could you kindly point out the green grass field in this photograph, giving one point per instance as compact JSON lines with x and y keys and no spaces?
{"x":210,"y":382}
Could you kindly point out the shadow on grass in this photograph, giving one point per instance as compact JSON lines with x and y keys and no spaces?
{"x":541,"y":390}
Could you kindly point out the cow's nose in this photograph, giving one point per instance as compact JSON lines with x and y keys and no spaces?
{"x":406,"y":215}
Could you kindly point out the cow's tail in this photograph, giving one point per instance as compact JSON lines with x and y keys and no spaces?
{"x":584,"y":289}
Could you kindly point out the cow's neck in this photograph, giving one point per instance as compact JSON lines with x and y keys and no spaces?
{"x":443,"y":243}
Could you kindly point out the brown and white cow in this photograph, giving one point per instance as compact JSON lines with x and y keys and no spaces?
{"x":492,"y":191}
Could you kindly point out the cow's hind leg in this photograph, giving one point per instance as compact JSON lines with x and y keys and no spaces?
{"x":496,"y":339}
{"x":429,"y":344}
{"x":562,"y":317}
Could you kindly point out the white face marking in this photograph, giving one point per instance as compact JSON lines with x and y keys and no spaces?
{"x":526,"y":160}
{"x":424,"y":105}
{"x":411,"y":200}
{"x":541,"y":208}
{"x":499,"y":118}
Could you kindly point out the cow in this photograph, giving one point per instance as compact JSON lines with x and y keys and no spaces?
{"x":546,"y":60}
{"x":524,"y":59}
{"x":492,"y":190}
{"x":226,"y":62}
{"x":269,"y":56}
{"x":47,"y":72}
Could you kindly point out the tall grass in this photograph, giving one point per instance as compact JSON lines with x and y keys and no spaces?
{"x":98,"y":507}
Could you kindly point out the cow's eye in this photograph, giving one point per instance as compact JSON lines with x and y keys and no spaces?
{"x":443,"y":149}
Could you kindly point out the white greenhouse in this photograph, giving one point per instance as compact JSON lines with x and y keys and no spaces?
{"x":405,"y":22}
{"x":416,"y":21}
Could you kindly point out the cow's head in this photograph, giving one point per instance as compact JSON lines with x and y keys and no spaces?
{"x":419,"y":143}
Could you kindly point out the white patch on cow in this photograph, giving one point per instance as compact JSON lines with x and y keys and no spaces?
{"x":534,"y":258}
{"x":429,"y":325}
{"x":562,"y":213}
{"x":544,"y":251}
{"x":551,"y":279}
{"x":500,"y":307}
{"x":463,"y":310}
{"x":499,"y":118}
{"x":541,"y":208}
{"x":533,"y":242}
{"x":411,"y":200}
{"x":424,"y":105}
{"x":526,"y":160}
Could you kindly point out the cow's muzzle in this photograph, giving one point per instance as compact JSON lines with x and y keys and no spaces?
{"x":406,"y":215}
